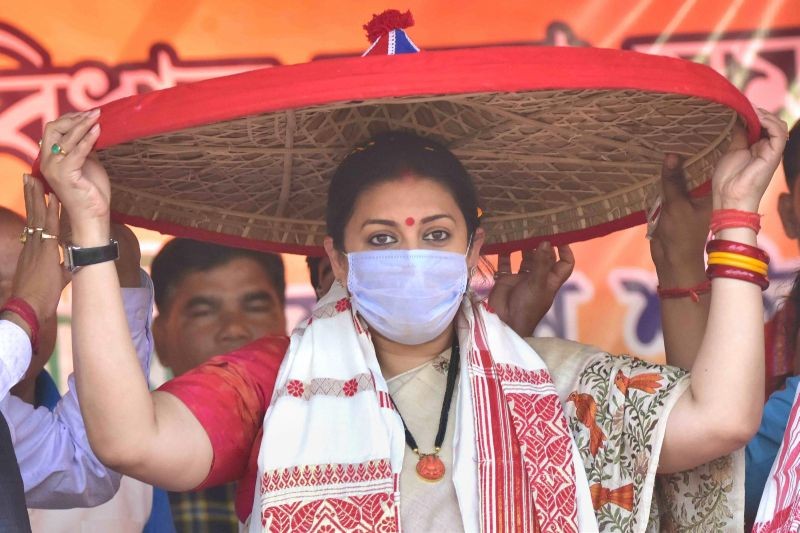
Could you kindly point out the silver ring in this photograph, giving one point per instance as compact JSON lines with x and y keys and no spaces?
{"x":43,"y":235}
{"x":498,"y":274}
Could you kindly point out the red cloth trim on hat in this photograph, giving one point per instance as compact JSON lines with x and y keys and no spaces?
{"x":505,"y":69}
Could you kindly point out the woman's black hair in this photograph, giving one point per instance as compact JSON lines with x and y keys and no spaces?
{"x":389,"y":156}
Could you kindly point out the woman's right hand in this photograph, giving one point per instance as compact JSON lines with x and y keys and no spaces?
{"x":78,"y":179}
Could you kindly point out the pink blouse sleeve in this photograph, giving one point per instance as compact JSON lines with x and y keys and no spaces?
{"x":229,"y":395}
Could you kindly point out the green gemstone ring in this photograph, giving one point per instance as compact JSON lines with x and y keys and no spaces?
{"x":57,"y":150}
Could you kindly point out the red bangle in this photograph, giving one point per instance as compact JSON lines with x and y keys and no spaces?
{"x":21,"y":308}
{"x":724,"y":271}
{"x":733,"y":218}
{"x":680,"y":292}
{"x":721,"y":245}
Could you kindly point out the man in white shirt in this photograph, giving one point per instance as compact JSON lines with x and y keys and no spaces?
{"x":18,"y":330}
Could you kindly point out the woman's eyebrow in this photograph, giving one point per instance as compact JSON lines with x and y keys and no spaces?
{"x":380,"y":221}
{"x":386,"y":222}
{"x":436,"y":217}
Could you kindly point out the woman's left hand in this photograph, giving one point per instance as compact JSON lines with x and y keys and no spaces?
{"x":742,"y":175}
{"x":521,"y":300}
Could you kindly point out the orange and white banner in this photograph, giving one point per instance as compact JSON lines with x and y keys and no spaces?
{"x":70,"y":55}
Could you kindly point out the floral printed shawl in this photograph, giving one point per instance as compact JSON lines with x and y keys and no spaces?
{"x":626,"y":403}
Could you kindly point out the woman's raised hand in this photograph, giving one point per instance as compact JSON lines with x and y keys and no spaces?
{"x":742,"y":175}
{"x":78,"y":179}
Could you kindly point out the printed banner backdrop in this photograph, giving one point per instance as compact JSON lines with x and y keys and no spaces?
{"x":71,"y":55}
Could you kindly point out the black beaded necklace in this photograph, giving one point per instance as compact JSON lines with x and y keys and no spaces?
{"x":430,"y":467}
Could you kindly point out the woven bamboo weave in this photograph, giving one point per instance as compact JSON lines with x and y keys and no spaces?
{"x":544,"y":162}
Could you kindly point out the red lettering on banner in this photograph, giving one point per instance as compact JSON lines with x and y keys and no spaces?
{"x":36,"y":91}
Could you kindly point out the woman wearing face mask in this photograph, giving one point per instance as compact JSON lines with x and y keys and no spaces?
{"x":403,"y":401}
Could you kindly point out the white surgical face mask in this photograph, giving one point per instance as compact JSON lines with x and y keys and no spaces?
{"x":408,"y":296}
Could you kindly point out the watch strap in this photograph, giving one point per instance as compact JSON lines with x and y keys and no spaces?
{"x":81,"y":257}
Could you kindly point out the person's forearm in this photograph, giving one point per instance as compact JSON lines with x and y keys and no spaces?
{"x":115,"y":400}
{"x":683,"y":320}
{"x":728,"y":374}
{"x":150,"y":437}
{"x":720,"y":410}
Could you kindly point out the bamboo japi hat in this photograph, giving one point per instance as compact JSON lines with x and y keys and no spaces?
{"x":564,"y":144}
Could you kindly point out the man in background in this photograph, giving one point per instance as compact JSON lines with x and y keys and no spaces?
{"x":211,"y":300}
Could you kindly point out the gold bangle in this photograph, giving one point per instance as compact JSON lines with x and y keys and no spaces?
{"x":737,"y":264}
{"x":741,"y":258}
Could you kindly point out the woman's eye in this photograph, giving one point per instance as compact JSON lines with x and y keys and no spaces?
{"x":437,"y":235}
{"x":382,"y":239}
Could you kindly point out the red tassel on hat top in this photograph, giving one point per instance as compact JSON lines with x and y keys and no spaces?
{"x":389,"y":20}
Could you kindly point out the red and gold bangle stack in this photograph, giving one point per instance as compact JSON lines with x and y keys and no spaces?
{"x":23,"y":309}
{"x":735,"y":260}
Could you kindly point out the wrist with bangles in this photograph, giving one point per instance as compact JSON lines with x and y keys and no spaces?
{"x":728,"y":259}
{"x":26,"y":313}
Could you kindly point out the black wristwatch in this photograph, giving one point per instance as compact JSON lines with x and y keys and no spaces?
{"x":76,"y":257}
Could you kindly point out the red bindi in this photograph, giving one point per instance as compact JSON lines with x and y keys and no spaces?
{"x":410,"y":221}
